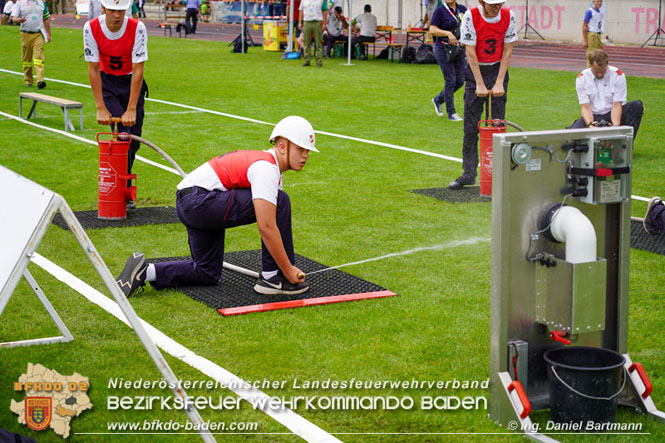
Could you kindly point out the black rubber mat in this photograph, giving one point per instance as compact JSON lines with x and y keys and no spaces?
{"x":468,"y":194}
{"x":235,"y":290}
{"x":136,"y":217}
{"x":639,"y":239}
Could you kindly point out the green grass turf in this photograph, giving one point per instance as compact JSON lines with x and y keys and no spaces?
{"x":351,"y":202}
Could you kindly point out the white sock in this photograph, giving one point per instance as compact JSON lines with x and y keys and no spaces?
{"x":268,"y":275}
{"x":150,"y":273}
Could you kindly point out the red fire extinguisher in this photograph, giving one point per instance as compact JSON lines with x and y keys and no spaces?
{"x":490,"y":128}
{"x":114,"y":191}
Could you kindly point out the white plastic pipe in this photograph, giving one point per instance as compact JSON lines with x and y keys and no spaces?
{"x":574,"y":229}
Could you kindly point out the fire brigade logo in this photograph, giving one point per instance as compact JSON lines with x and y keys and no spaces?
{"x":38,"y":412}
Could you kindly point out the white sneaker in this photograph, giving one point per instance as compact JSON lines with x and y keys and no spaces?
{"x":455,"y":118}
{"x":437,"y":108}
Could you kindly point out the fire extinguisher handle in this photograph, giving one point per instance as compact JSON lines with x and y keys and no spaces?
{"x":526,"y":405}
{"x":648,"y":387}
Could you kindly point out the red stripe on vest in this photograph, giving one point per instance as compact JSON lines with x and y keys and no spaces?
{"x":115,"y":56}
{"x":231,"y":168}
{"x":490,"y":36}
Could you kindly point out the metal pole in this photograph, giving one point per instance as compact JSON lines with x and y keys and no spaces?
{"x":289,"y":44}
{"x":242,"y":24}
{"x":348,"y":44}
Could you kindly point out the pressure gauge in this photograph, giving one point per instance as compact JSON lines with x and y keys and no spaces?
{"x":521,"y":153}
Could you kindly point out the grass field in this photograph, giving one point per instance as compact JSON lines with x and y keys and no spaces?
{"x":351,"y":202}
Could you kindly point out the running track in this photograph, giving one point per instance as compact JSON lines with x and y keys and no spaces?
{"x":633,"y":60}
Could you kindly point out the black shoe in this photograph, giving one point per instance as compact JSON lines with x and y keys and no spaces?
{"x":319,"y":64}
{"x":277,"y":285}
{"x":305,"y":64}
{"x":648,"y":225}
{"x":133,"y":276}
{"x":461,"y":181}
{"x":131,"y":206}
{"x":41,"y":85}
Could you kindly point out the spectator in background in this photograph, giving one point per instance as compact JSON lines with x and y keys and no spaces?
{"x":592,"y":28}
{"x":602,"y":93}
{"x":205,"y":10}
{"x":193,"y":10}
{"x":336,"y":22}
{"x":445,"y":28}
{"x":139,"y":7}
{"x":7,"y":9}
{"x":365,"y":26}
{"x":95,"y":9}
{"x":312,"y":21}
{"x":33,"y":16}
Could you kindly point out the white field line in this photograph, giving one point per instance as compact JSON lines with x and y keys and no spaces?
{"x":81,"y":139}
{"x":238,"y":117}
{"x":294,"y":422}
{"x":223,"y":114}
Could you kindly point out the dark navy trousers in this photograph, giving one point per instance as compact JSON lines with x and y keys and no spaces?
{"x":631,"y":115}
{"x":116,"y":90}
{"x":453,"y":76}
{"x":473,"y":110}
{"x":207,"y":215}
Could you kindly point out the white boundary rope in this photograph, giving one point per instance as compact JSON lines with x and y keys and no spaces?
{"x":297,"y":424}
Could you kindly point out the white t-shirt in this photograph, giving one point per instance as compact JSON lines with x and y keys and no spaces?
{"x":594,"y":19}
{"x":601,"y":93}
{"x":32,"y":11}
{"x":139,"y":51}
{"x":8,"y":7}
{"x":264,"y":178}
{"x":367,"y":24}
{"x":312,"y":10}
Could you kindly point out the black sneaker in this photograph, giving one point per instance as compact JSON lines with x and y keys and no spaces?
{"x":305,"y":64}
{"x":277,"y":285}
{"x":648,"y":225}
{"x":133,"y":276}
{"x":461,"y":181}
{"x":41,"y":85}
{"x":130,"y":205}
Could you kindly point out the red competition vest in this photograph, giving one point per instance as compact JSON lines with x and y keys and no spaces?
{"x":489,"y":36}
{"x":115,"y":56}
{"x":231,"y":168}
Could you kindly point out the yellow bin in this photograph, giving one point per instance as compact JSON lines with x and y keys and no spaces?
{"x":274,"y":33}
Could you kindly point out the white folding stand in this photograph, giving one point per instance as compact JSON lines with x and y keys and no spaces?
{"x":21,"y":231}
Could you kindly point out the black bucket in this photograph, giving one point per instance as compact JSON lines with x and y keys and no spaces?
{"x":584,"y":384}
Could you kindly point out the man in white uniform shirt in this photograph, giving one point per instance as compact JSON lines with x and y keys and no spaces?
{"x":602,"y":93}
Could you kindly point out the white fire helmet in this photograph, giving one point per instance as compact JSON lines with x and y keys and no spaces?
{"x":117,"y":5}
{"x":494,"y":2}
{"x":297,"y":130}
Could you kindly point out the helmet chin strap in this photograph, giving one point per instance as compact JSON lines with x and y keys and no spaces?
{"x":288,"y":151}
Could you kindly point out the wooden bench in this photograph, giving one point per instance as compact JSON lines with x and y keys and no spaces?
{"x":395,"y":47}
{"x":64,"y":104}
